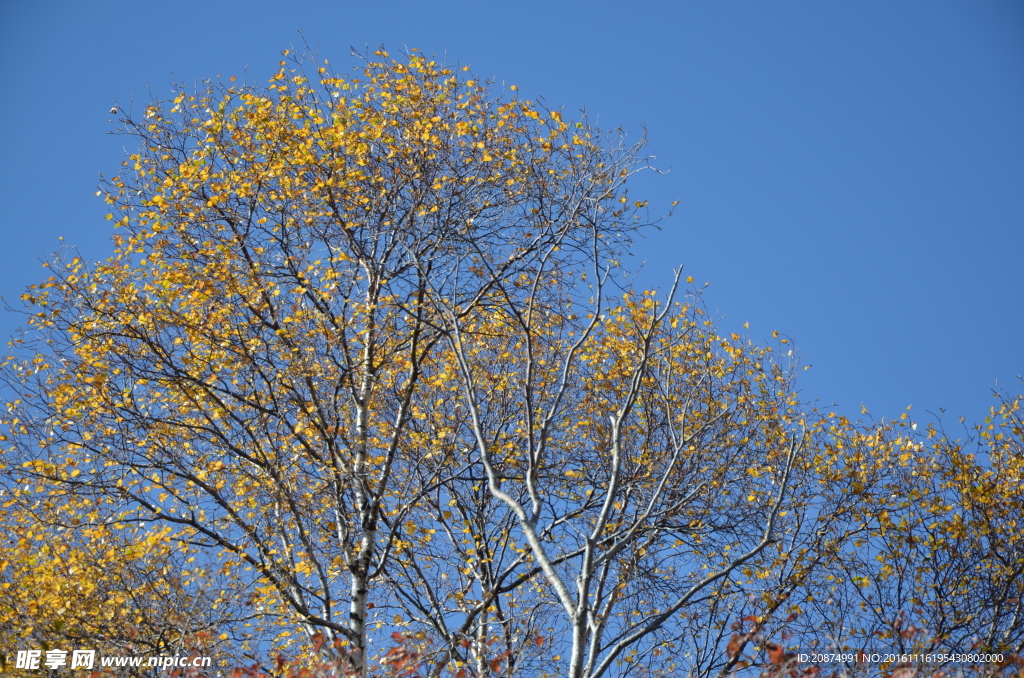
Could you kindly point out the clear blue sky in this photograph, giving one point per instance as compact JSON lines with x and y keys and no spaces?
{"x":850,"y":173}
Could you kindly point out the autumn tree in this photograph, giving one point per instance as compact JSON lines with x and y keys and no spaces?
{"x":940,"y":567}
{"x":247,"y":368}
{"x":667,"y":484}
{"x":359,"y":381}
{"x":115,"y":589}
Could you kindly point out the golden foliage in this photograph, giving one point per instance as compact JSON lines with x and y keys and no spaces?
{"x":358,"y":369}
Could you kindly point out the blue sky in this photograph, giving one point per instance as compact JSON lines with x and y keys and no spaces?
{"x":849,"y":173}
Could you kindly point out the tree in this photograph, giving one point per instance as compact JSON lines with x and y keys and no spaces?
{"x":667,"y":485}
{"x":944,"y":570}
{"x":247,"y":367}
{"x":359,"y":376}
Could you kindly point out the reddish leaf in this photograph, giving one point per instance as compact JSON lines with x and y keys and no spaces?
{"x":777,"y":654}
{"x":735,"y":643}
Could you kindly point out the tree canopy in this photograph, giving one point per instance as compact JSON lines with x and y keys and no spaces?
{"x":361,"y":384}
